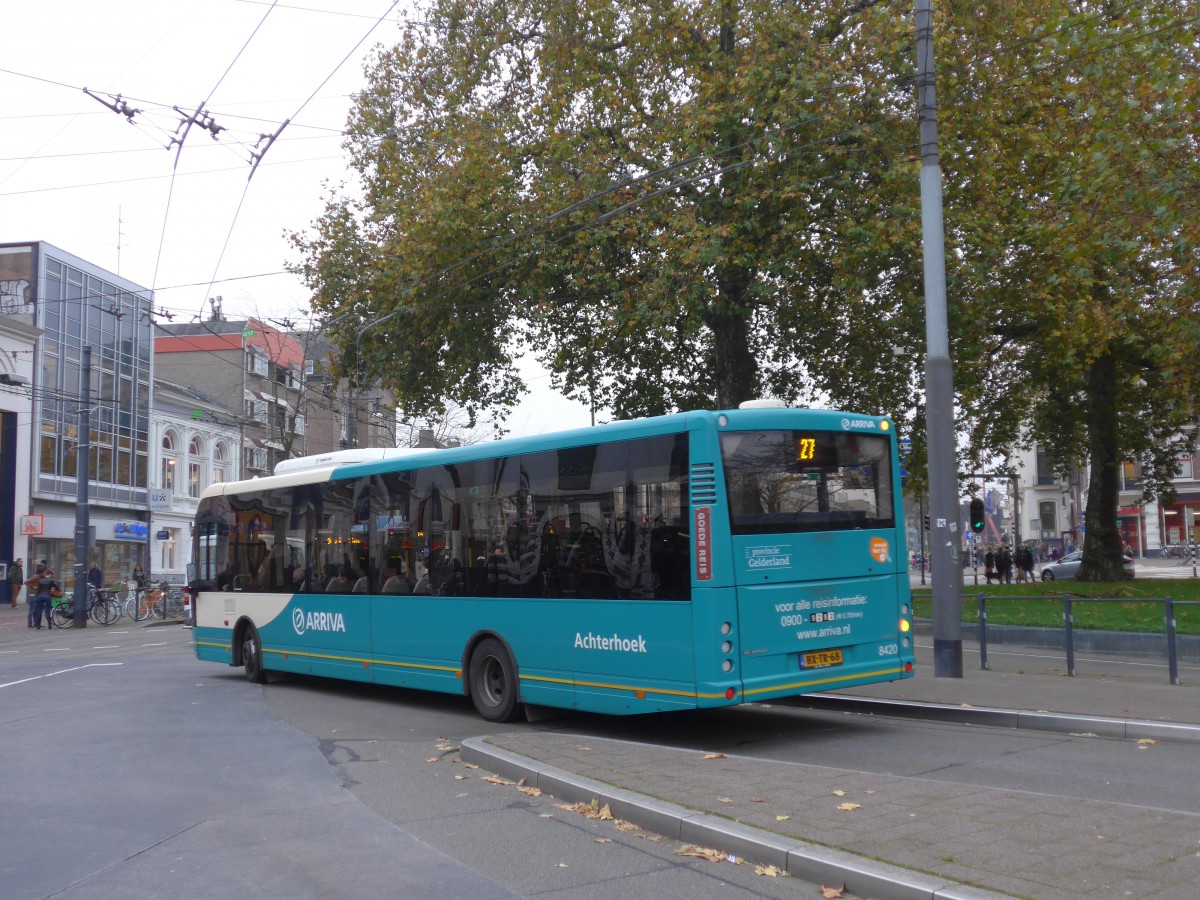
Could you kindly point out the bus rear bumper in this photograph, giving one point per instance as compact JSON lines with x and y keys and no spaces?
{"x":825,"y":678}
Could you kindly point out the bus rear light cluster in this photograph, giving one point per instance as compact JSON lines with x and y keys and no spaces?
{"x":905,"y":626}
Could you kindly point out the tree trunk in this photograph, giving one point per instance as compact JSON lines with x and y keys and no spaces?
{"x":1102,"y":548}
{"x":736,"y":375}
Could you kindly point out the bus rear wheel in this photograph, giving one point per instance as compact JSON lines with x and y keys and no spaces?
{"x":252,"y":656}
{"x":492,"y":680}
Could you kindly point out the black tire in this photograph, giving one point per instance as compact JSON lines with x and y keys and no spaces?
{"x":1047,"y":575}
{"x":108,"y":611}
{"x":62,"y":615}
{"x":493,"y":683}
{"x":252,"y":657}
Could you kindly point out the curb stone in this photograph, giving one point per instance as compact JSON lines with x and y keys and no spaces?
{"x":865,"y":877}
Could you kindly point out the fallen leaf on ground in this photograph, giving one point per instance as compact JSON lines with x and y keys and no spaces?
{"x":602,"y":841}
{"x":773,"y":871}
{"x":849,"y":806}
{"x":757,"y":800}
{"x":715,"y":756}
{"x":591,"y":810}
{"x":1147,"y":741}
{"x":461,"y":777}
{"x":495,"y":779}
{"x":832,"y":893}
{"x":782,"y":818}
{"x":839,"y":793}
{"x":702,"y":853}
{"x":432,"y":759}
{"x":724,"y":800}
{"x":531,"y":791}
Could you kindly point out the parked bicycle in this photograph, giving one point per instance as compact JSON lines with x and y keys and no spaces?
{"x":140,"y":604}
{"x":155,"y":603}
{"x":102,"y":608}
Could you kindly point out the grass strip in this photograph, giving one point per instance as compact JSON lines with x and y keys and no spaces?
{"x":1041,"y":604}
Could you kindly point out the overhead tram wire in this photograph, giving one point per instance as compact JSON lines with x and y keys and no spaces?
{"x":191,"y":120}
{"x":300,"y":109}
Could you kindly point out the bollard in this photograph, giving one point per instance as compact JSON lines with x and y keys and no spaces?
{"x":1068,"y":623}
{"x":983,"y":660}
{"x":1172,"y":658}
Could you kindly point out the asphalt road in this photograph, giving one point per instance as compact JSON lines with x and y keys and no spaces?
{"x":133,"y":770}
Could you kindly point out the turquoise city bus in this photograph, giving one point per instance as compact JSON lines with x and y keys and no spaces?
{"x":694,"y":560}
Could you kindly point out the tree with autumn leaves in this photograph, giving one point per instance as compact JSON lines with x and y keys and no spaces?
{"x":689,"y":204}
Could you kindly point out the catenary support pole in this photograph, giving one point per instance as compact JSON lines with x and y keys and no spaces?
{"x":84,"y":455}
{"x":945,"y":536}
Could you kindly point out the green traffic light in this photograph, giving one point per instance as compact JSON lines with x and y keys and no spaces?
{"x":977,"y":517}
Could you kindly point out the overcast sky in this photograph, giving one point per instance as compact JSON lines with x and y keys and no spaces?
{"x":190,"y":223}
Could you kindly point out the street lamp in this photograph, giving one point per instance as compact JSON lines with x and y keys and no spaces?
{"x":352,"y":413}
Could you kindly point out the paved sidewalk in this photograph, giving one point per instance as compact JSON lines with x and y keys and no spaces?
{"x":912,"y":837}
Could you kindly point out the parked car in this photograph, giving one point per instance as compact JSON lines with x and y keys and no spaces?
{"x":1068,"y":566}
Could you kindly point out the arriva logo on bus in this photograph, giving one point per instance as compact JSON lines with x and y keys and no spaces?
{"x":847,"y":424}
{"x":317,"y":621}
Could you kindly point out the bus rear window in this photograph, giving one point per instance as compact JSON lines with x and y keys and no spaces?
{"x":789,"y":481}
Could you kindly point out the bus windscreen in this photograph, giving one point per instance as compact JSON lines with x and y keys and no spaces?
{"x":797,"y":481}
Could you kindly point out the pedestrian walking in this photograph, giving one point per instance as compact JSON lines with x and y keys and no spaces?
{"x":139,"y":577}
{"x":989,"y":564}
{"x":44,"y":588}
{"x":1027,"y":562}
{"x":16,"y":579}
{"x":1005,"y":565}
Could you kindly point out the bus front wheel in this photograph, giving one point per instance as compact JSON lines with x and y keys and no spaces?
{"x":492,"y":679}
{"x":252,"y":656}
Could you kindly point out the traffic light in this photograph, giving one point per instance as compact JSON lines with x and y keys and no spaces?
{"x":926,"y":523}
{"x":977,"y":515}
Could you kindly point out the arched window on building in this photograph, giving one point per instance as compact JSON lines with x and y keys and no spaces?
{"x":170,"y":461}
{"x":196,"y":464}
{"x":220,"y":463}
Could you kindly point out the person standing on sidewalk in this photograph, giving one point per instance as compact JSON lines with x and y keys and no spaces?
{"x":44,"y":585}
{"x":30,"y":598}
{"x":16,"y":578}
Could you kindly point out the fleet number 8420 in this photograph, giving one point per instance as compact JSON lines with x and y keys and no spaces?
{"x":888,"y":649}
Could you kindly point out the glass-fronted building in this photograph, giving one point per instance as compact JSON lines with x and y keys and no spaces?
{"x":77,"y":304}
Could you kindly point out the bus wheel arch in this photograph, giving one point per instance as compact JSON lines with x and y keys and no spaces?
{"x":247,"y":651}
{"x":492,"y":679}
